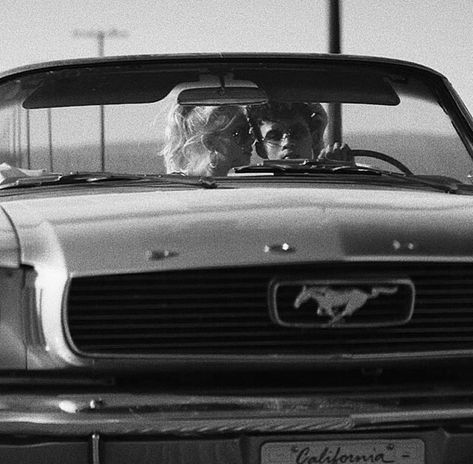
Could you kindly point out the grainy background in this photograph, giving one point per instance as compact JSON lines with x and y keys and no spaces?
{"x":435,"y":33}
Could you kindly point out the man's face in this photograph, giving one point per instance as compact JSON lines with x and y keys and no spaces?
{"x":287,"y":138}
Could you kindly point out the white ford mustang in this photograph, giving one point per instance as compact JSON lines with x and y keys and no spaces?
{"x":214,"y":259}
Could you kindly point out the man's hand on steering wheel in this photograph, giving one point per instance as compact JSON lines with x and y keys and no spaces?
{"x":342,"y":154}
{"x":337,"y":153}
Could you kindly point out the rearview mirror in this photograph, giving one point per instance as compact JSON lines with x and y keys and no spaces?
{"x":210,"y":96}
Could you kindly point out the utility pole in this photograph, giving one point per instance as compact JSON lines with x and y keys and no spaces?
{"x":100,"y":36}
{"x":50,"y":139}
{"x":334,"y":109}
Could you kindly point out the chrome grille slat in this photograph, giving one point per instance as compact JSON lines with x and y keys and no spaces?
{"x":225,"y":311}
{"x":205,"y":332}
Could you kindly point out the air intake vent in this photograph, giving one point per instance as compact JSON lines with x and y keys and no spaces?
{"x":225,"y":311}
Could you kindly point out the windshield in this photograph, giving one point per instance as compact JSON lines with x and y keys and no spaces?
{"x":209,"y":119}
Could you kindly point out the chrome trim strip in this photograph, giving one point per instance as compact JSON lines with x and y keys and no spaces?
{"x":182,"y":415}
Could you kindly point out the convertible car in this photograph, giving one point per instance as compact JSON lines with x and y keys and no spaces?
{"x":311,"y":308}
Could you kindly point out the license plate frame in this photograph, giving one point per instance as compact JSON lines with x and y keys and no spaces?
{"x":332,"y":451}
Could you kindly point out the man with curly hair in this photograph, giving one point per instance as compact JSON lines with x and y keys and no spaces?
{"x":285,"y":130}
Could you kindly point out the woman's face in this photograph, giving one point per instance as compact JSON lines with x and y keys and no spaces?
{"x":233,"y":145}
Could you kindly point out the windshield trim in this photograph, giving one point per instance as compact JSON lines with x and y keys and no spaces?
{"x":251,"y":59}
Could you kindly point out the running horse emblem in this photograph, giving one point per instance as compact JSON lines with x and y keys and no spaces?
{"x":339,"y":303}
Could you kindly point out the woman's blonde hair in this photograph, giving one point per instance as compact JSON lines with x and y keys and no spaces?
{"x":187,"y":136}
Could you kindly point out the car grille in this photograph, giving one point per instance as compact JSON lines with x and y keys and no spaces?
{"x":225,"y":311}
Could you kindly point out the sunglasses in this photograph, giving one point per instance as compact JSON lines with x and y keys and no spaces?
{"x":297,"y":132}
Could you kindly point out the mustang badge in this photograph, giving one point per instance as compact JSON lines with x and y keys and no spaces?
{"x":339,"y":303}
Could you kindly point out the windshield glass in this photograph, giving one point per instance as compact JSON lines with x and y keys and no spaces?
{"x":208,"y":119}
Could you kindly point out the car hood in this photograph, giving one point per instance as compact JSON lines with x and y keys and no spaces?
{"x":143,"y":231}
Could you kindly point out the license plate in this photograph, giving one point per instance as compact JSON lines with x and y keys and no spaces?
{"x":409,"y":451}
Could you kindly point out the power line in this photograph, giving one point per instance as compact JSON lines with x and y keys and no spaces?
{"x":100,"y":35}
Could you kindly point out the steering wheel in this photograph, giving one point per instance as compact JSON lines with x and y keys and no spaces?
{"x":381,"y":156}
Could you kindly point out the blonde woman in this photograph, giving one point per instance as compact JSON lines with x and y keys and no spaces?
{"x":206,"y":140}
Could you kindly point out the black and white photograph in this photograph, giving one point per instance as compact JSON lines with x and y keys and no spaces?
{"x":236,"y":232}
